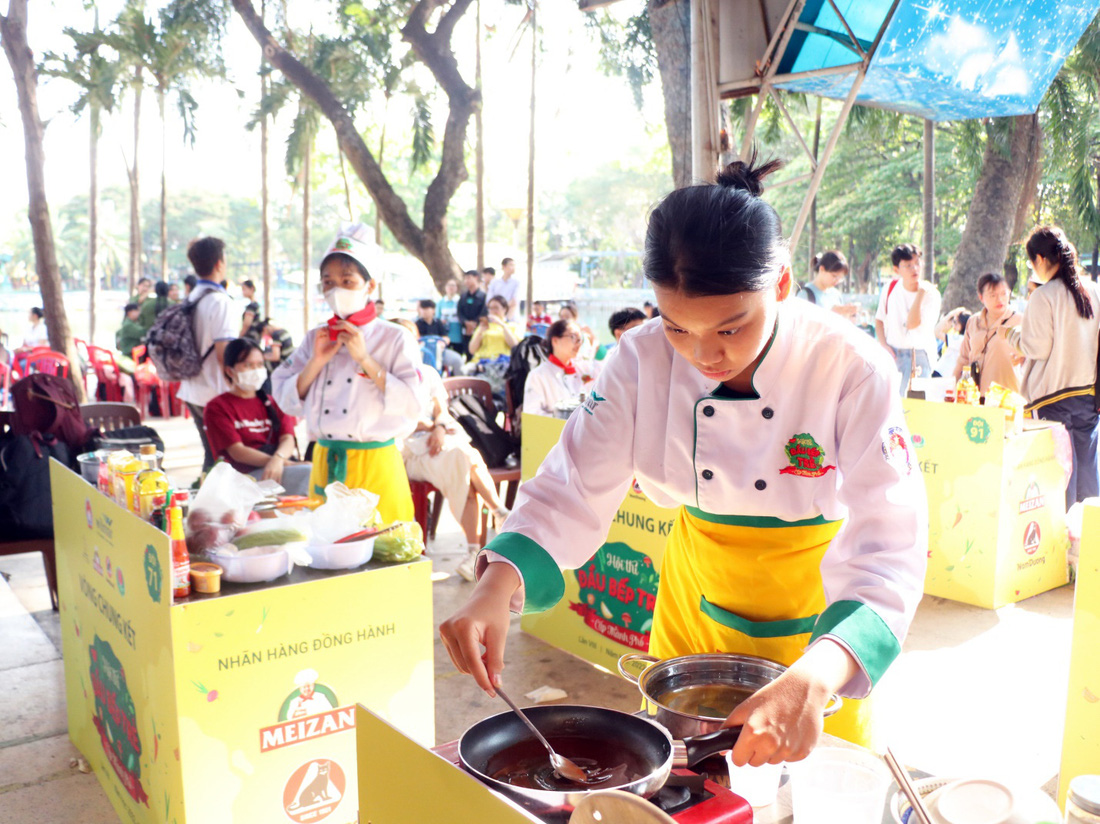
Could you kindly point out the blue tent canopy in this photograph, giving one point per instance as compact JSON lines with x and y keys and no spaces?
{"x":938,"y":59}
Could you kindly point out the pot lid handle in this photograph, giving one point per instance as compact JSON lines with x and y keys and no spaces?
{"x":635,"y":656}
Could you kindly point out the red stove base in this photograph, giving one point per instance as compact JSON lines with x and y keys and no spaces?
{"x":715,"y":805}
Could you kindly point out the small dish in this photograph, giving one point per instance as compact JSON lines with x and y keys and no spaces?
{"x":341,"y":555}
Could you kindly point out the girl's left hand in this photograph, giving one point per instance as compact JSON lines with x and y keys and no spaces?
{"x":352,"y":338}
{"x":273,"y":469}
{"x":780,"y":722}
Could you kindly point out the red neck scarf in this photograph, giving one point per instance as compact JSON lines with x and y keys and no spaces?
{"x":360,"y":318}
{"x":569,"y":370}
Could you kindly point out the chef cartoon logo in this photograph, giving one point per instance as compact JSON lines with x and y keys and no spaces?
{"x":314,"y":790}
{"x":342,"y":245}
{"x":896,"y":451}
{"x":806,"y":457}
{"x":308,"y":698}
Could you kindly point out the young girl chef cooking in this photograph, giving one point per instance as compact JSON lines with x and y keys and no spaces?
{"x":355,"y":381}
{"x":776,"y":429}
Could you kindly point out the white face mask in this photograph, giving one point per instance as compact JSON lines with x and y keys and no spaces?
{"x":251,"y":380}
{"x":346,"y":302}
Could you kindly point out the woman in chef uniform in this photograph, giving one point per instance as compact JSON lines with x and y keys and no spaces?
{"x":776,"y":429}
{"x":355,"y":381}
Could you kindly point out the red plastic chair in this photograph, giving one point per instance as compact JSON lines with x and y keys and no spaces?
{"x":107,"y":373}
{"x":426,"y":509}
{"x":47,"y":362}
{"x":5,"y":384}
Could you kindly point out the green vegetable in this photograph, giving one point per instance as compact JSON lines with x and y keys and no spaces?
{"x":270,"y":537}
{"x":406,"y":543}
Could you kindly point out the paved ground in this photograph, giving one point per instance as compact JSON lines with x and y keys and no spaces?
{"x":975,"y":692}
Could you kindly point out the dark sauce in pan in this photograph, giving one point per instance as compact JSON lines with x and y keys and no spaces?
{"x":526,"y":764}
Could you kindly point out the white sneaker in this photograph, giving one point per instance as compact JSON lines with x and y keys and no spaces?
{"x":468,"y":566}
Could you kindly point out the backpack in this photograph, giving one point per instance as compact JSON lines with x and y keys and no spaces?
{"x":47,"y":405}
{"x":809,"y":293}
{"x":171,"y":342}
{"x":494,"y":444}
{"x":526,"y":355}
{"x":25,"y":484}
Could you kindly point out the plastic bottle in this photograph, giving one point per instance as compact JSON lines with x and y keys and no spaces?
{"x":152,"y":484}
{"x":1083,"y":800}
{"x":126,"y":472}
{"x":181,"y":561}
{"x":114,"y":461}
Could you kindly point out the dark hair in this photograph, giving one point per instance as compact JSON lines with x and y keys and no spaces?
{"x":989,"y":279}
{"x":427,"y":303}
{"x":129,"y":307}
{"x":506,"y":261}
{"x":1051,"y":243}
{"x":359,"y":267}
{"x":161,"y":302}
{"x":623,"y":317}
{"x":717,"y":238}
{"x":904,"y":251}
{"x":471,"y":273}
{"x":205,"y":254}
{"x":489,"y":270}
{"x":235,"y":352}
{"x":38,"y":312}
{"x":248,"y":283}
{"x":557,"y":330}
{"x":831,"y":261}
{"x":500,"y":300}
{"x":144,"y":280}
{"x":964,"y":318}
{"x":190,"y":281}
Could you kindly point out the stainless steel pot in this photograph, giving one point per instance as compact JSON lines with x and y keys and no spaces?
{"x":645,"y":745}
{"x":693,"y":694}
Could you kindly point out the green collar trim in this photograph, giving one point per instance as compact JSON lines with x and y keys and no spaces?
{"x":542,"y":579}
{"x":758,"y":521}
{"x":329,"y":444}
{"x":865,"y":634}
{"x":757,"y":629}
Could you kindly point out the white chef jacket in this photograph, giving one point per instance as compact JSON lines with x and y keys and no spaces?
{"x":547,"y":385}
{"x":652,"y":416}
{"x":341,"y":404}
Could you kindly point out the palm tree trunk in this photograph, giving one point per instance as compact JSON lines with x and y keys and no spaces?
{"x":381,"y":154}
{"x":135,"y":194}
{"x":93,"y":216}
{"x":161,"y":92}
{"x":479,"y":148}
{"x":531,"y":167}
{"x":813,"y":205}
{"x":307,"y":161}
{"x":13,"y":39}
{"x":265,"y":227}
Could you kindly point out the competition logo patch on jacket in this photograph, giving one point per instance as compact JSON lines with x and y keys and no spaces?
{"x":592,"y":402}
{"x":806,"y":456}
{"x":896,"y":451}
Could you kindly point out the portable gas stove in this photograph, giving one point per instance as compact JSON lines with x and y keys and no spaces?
{"x":689,"y":796}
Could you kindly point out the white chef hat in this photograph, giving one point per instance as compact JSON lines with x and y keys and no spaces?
{"x":355,"y":240}
{"x":306,"y":676}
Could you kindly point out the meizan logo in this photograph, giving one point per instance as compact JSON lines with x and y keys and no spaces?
{"x":594,"y":399}
{"x":1033,"y":498}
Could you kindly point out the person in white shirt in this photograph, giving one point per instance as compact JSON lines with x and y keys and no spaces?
{"x":908,"y":311}
{"x":506,"y":286}
{"x":355,"y":380}
{"x":214,"y":328}
{"x":36,"y":334}
{"x":562,"y":376}
{"x":802,"y":528}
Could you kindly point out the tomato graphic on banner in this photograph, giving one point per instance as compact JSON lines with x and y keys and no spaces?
{"x":618,"y":589}
{"x":314,"y":790}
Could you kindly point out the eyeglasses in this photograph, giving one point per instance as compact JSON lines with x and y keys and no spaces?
{"x":574,"y":337}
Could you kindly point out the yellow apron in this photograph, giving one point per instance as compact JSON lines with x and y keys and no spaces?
{"x":754,"y":590}
{"x":373,"y":465}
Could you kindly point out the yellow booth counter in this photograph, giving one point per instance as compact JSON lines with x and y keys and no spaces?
{"x":996,"y":502}
{"x":237,"y":706}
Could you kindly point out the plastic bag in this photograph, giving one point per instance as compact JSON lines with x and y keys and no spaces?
{"x":344,"y":511}
{"x":406,"y":543}
{"x":222,"y":505}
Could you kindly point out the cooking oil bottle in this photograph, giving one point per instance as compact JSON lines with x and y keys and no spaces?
{"x":152,"y":484}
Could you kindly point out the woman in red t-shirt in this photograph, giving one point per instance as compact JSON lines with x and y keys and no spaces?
{"x":245,"y":427}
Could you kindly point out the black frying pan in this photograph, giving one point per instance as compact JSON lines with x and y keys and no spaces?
{"x":632,"y":753}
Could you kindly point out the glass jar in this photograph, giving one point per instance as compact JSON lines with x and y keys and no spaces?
{"x":1083,"y":800}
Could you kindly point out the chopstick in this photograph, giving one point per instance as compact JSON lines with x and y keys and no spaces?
{"x":901,"y":776}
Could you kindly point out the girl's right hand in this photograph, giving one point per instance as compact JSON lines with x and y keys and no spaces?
{"x":323,"y":347}
{"x":482,"y":623}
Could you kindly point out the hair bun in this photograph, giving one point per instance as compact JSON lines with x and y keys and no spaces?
{"x":748,"y":176}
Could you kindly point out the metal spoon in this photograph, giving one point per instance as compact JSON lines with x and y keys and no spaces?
{"x":563,"y":767}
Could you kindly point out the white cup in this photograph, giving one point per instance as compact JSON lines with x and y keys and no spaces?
{"x":757,"y":785}
{"x":835,"y":785}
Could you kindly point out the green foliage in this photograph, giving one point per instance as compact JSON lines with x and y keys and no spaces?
{"x":626,"y":48}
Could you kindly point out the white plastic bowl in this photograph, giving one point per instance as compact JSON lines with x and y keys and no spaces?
{"x":341,"y":556}
{"x":252,"y":566}
{"x":1026,"y":805}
